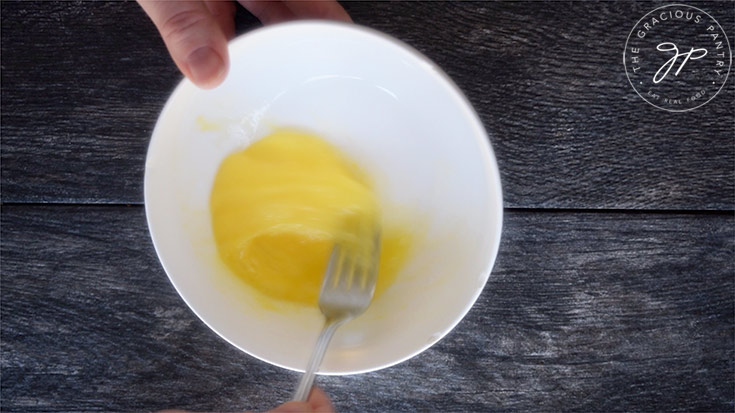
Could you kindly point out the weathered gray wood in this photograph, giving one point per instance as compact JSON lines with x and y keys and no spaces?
{"x":83,"y":83}
{"x":584,"y":311}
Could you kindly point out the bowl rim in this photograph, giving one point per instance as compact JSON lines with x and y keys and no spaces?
{"x":479,"y":133}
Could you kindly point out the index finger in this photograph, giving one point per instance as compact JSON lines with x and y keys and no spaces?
{"x":325,"y":9}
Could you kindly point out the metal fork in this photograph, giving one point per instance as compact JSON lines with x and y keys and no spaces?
{"x":347,"y":289}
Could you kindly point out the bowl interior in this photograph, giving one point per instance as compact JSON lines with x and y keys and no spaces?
{"x":392,"y":111}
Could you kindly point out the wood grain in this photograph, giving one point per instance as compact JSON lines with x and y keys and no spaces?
{"x":83,"y":83}
{"x":583,"y":311}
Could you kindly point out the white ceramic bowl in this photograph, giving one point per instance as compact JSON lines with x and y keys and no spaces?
{"x":400,"y":118}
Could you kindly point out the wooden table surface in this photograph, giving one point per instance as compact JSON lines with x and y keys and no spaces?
{"x":614,"y":287}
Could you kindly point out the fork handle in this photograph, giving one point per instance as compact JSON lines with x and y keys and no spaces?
{"x":307,"y":380}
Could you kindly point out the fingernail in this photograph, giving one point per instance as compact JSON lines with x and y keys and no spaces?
{"x":205,"y":65}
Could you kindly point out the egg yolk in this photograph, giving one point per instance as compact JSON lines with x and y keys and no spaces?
{"x":279,"y":206}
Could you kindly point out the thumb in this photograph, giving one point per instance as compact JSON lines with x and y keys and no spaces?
{"x":193,"y":37}
{"x":318,"y":403}
{"x":293,"y":407}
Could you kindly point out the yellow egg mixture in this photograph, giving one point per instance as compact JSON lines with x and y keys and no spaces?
{"x":279,"y":206}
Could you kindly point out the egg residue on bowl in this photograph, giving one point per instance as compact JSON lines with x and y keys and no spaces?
{"x":280,"y":205}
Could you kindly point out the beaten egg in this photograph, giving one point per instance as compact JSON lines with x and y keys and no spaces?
{"x":280,"y":205}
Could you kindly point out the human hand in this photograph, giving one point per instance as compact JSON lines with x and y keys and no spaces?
{"x":318,"y":403}
{"x":196,"y":32}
